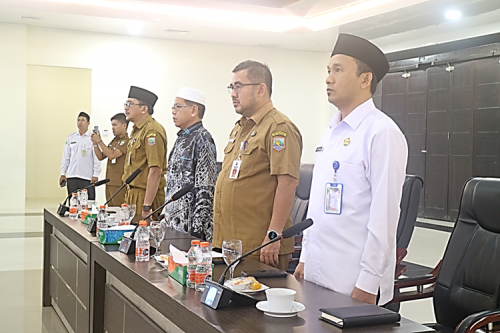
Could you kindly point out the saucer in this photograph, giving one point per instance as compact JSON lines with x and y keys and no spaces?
{"x":297,"y":307}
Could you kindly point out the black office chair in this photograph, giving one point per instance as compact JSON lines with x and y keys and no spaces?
{"x":410,"y":200}
{"x":299,"y":209}
{"x":466,"y":283}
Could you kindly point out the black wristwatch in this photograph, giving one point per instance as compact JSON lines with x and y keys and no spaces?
{"x":146,"y":208}
{"x":271,"y":234}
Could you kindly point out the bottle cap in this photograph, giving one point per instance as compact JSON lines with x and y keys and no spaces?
{"x":204,"y":244}
{"x":195,"y":242}
{"x":124,"y":205}
{"x":73,"y":194}
{"x":143,"y":223}
{"x":84,"y":190}
{"x":102,"y":207}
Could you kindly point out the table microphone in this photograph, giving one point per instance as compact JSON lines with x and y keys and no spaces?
{"x":63,"y":208}
{"x":129,"y":180}
{"x":287,"y":233}
{"x":127,"y":245}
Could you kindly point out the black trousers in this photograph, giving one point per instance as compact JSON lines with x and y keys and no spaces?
{"x":74,"y":184}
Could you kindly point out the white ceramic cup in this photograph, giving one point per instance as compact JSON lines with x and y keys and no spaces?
{"x":280,"y":299}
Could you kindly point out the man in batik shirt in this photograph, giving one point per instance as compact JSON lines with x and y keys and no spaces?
{"x":192,"y":160}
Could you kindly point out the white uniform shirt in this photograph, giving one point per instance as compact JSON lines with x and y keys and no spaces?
{"x":357,"y":247}
{"x":74,"y":163}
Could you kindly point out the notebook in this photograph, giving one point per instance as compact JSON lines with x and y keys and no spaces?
{"x":355,"y":316}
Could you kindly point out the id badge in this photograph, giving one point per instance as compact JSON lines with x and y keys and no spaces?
{"x":333,"y":198}
{"x":113,"y":161}
{"x":235,"y":169}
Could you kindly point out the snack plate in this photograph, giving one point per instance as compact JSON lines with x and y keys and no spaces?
{"x":262,"y":288}
{"x":160,"y":261}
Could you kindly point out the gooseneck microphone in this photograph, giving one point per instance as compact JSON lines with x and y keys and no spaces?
{"x":129,"y":180}
{"x":63,"y":208}
{"x":287,"y":233}
{"x":176,"y":196}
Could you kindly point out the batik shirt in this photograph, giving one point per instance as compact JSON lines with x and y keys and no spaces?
{"x":192,"y":160}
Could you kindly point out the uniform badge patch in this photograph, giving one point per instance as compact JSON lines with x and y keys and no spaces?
{"x":151,"y":141}
{"x":121,"y":143}
{"x":347,"y":141}
{"x":278,"y":143}
{"x":279,"y":133}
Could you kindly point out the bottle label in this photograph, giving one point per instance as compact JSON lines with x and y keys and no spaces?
{"x":72,"y":210}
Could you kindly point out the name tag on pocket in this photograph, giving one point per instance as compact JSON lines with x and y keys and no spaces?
{"x":113,"y":161}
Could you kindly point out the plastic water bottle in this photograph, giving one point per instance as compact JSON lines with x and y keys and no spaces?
{"x":203,"y":269}
{"x":84,"y":200}
{"x":73,"y":207}
{"x":123,"y":215}
{"x":194,"y":258}
{"x":101,"y":219}
{"x":142,"y":242}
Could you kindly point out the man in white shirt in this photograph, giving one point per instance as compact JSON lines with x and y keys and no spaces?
{"x":357,"y":182}
{"x":80,"y":166}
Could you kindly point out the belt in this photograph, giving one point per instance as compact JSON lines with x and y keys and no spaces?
{"x":130,"y":186}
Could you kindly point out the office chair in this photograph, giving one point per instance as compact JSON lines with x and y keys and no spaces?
{"x":465,"y":285}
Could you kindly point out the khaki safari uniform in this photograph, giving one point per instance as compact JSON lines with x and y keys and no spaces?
{"x":114,"y":171}
{"x":147,"y":148}
{"x":243,"y":207}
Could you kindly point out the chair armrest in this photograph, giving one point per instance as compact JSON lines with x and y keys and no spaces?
{"x":478,"y":320}
{"x":417,"y":282}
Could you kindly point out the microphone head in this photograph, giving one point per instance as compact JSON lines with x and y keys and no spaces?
{"x":297,"y":228}
{"x":101,"y":182}
{"x":177,"y":195}
{"x":131,"y":178}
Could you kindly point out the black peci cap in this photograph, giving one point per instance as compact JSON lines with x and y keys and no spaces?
{"x":143,"y":95}
{"x":361,"y":49}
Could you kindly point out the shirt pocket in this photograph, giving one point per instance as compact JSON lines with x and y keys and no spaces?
{"x":229,"y":148}
{"x":137,"y":154}
{"x":249,"y":158}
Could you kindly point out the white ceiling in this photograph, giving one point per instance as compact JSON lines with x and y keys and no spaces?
{"x":310,"y":25}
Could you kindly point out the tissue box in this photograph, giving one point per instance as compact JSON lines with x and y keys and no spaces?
{"x":86,"y":215}
{"x":114,"y":234}
{"x":179,"y":271}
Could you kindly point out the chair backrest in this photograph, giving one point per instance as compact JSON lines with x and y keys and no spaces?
{"x":410,"y":200}
{"x":469,"y":277}
{"x":301,"y":201}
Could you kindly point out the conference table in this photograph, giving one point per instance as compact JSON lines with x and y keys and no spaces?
{"x":96,"y":288}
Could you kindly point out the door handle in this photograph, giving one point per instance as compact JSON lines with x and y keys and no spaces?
{"x":423,"y":151}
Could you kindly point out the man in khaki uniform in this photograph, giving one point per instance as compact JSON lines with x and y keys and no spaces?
{"x":256,"y":187}
{"x":115,"y":153}
{"x":147,"y":149}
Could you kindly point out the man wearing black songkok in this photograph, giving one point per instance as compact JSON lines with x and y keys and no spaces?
{"x":147,"y":150}
{"x":357,"y":182}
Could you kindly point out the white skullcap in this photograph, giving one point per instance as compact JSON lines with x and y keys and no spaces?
{"x":192,"y":95}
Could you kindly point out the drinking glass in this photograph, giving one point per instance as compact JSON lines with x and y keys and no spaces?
{"x":231,"y":250}
{"x":157,"y":230}
{"x":131,"y":213}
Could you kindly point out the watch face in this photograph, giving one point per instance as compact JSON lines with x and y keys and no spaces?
{"x":272,"y":235}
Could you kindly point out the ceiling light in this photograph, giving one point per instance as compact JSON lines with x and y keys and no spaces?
{"x":135,"y":29}
{"x":174,"y":31}
{"x":453,"y":14}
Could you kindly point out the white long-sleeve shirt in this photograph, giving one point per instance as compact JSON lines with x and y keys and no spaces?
{"x":358,"y":247}
{"x":79,"y":159}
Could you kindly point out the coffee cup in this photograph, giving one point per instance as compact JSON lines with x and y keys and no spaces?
{"x":280,"y":299}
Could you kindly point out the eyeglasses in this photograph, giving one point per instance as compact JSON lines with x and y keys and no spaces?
{"x":177,"y":107}
{"x":129,"y":104}
{"x":237,"y":87}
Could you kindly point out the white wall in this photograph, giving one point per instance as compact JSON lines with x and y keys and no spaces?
{"x":13,"y":115}
{"x":162,"y":66}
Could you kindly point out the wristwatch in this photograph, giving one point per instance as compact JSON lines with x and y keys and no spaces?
{"x":146,"y":208}
{"x":271,"y":234}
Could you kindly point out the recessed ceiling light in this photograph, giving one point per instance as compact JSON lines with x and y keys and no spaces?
{"x":135,"y":29}
{"x":453,"y":14}
{"x":174,"y":31}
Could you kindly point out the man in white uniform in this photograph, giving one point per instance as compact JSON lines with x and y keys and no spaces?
{"x":80,"y":166}
{"x":357,"y":182}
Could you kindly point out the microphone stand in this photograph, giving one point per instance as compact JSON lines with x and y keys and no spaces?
{"x":223,"y":276}
{"x":121,"y":187}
